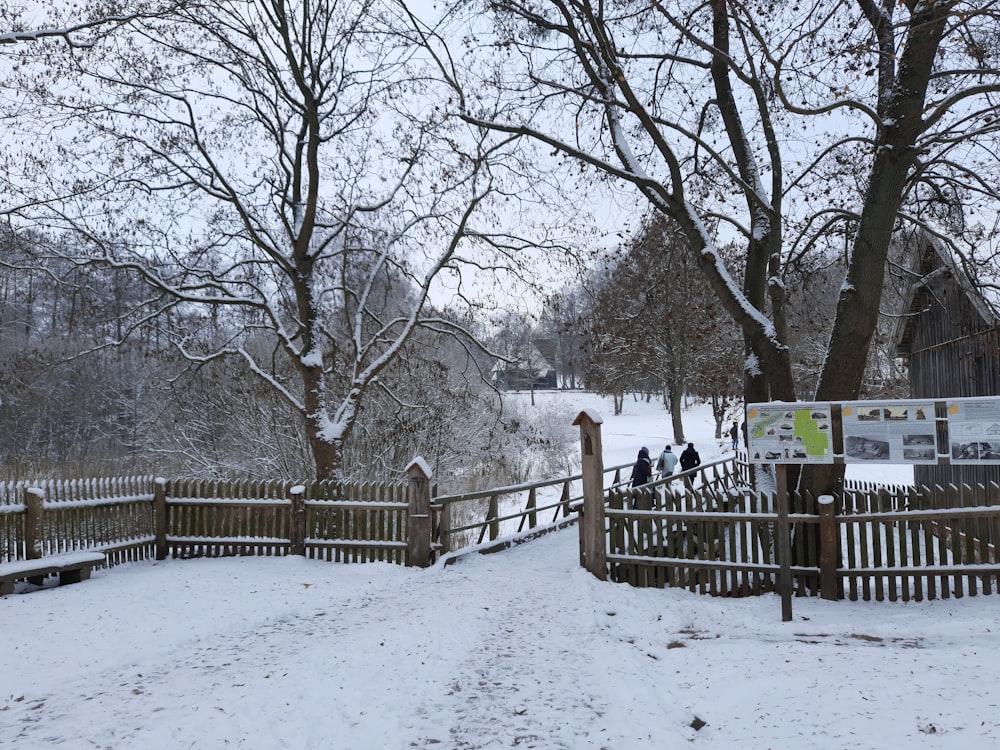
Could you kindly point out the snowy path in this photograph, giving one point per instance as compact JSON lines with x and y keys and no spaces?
{"x":520,"y":649}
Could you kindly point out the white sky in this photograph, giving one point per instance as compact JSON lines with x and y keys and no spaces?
{"x":518,"y":649}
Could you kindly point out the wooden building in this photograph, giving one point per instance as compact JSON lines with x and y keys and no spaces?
{"x":950,"y":340}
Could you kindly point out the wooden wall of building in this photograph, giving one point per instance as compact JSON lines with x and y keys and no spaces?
{"x":951,"y":343}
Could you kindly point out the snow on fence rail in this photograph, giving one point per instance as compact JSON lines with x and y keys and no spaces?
{"x":139,"y":518}
{"x":473,"y":518}
{"x":895,"y":543}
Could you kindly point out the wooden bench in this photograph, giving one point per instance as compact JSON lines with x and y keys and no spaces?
{"x":72,"y":567}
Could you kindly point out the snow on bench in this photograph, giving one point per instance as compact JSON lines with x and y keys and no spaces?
{"x":72,"y":567}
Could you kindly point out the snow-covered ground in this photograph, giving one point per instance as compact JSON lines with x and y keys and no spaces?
{"x":517,"y":649}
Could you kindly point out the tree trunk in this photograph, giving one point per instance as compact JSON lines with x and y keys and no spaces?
{"x":861,"y":293}
{"x":675,"y":416}
{"x":328,"y":457}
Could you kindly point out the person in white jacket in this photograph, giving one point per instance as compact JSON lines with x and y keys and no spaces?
{"x":666,"y":463}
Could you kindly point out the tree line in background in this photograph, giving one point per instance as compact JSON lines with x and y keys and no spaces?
{"x":83,"y":395}
{"x":229,"y":221}
{"x":82,"y":398}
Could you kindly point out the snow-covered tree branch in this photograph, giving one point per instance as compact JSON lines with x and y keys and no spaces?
{"x":787,"y":127}
{"x":284,"y":161}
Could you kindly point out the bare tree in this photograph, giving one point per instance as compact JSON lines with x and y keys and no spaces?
{"x":81,"y":24}
{"x":285,"y":161}
{"x":559,"y":335}
{"x":667,"y":331}
{"x":788,"y":125}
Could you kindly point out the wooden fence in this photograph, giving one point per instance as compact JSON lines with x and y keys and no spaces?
{"x":111,"y":515}
{"x":872,"y":542}
{"x":712,"y":535}
{"x":320,"y":520}
{"x":138,"y":518}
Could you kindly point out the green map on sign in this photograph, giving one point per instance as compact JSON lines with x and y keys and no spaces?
{"x":815,"y":440}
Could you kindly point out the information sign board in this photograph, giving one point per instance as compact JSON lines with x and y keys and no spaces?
{"x":974,"y":431}
{"x":901,"y":432}
{"x":794,"y":433}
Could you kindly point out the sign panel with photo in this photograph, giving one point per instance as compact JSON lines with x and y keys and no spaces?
{"x":890,"y":432}
{"x":974,"y":431}
{"x":794,"y":433}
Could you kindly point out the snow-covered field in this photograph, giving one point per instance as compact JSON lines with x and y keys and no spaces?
{"x":517,"y":649}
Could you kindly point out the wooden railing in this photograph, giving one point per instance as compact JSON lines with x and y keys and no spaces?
{"x":144,"y":517}
{"x":476,"y":518}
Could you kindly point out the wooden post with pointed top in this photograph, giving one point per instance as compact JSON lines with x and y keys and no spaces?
{"x":593,"y":536}
{"x":418,"y":523}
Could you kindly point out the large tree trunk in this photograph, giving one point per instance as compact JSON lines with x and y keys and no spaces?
{"x":328,"y":456}
{"x":326,"y":440}
{"x":858,"y":306}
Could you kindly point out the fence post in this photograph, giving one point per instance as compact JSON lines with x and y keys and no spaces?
{"x":444,"y":528}
{"x":160,"y":516}
{"x":493,"y":517}
{"x":827,"y":548}
{"x":34,"y":525}
{"x":593,"y":537}
{"x":298,"y":529}
{"x":418,"y":524}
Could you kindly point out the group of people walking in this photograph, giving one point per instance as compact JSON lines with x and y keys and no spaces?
{"x":642,"y":472}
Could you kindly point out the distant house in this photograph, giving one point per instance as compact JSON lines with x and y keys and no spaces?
{"x":536,"y":372}
{"x":950,"y":340}
{"x":512,"y":378}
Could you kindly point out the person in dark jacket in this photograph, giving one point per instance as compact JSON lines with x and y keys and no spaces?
{"x":689,"y":460}
{"x":642,"y":472}
{"x":734,"y":435}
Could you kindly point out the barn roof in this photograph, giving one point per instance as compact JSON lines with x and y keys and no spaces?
{"x":932,"y":260}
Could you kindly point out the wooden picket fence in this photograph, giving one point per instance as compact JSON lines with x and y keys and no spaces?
{"x":874,"y":542}
{"x":111,"y":515}
{"x":713,"y":536}
{"x":139,"y":518}
{"x":342,"y":522}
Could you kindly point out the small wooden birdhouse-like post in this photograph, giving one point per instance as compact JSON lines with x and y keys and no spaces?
{"x":418,"y":525}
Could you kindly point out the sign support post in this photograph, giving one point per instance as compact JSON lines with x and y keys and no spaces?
{"x":784,"y":544}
